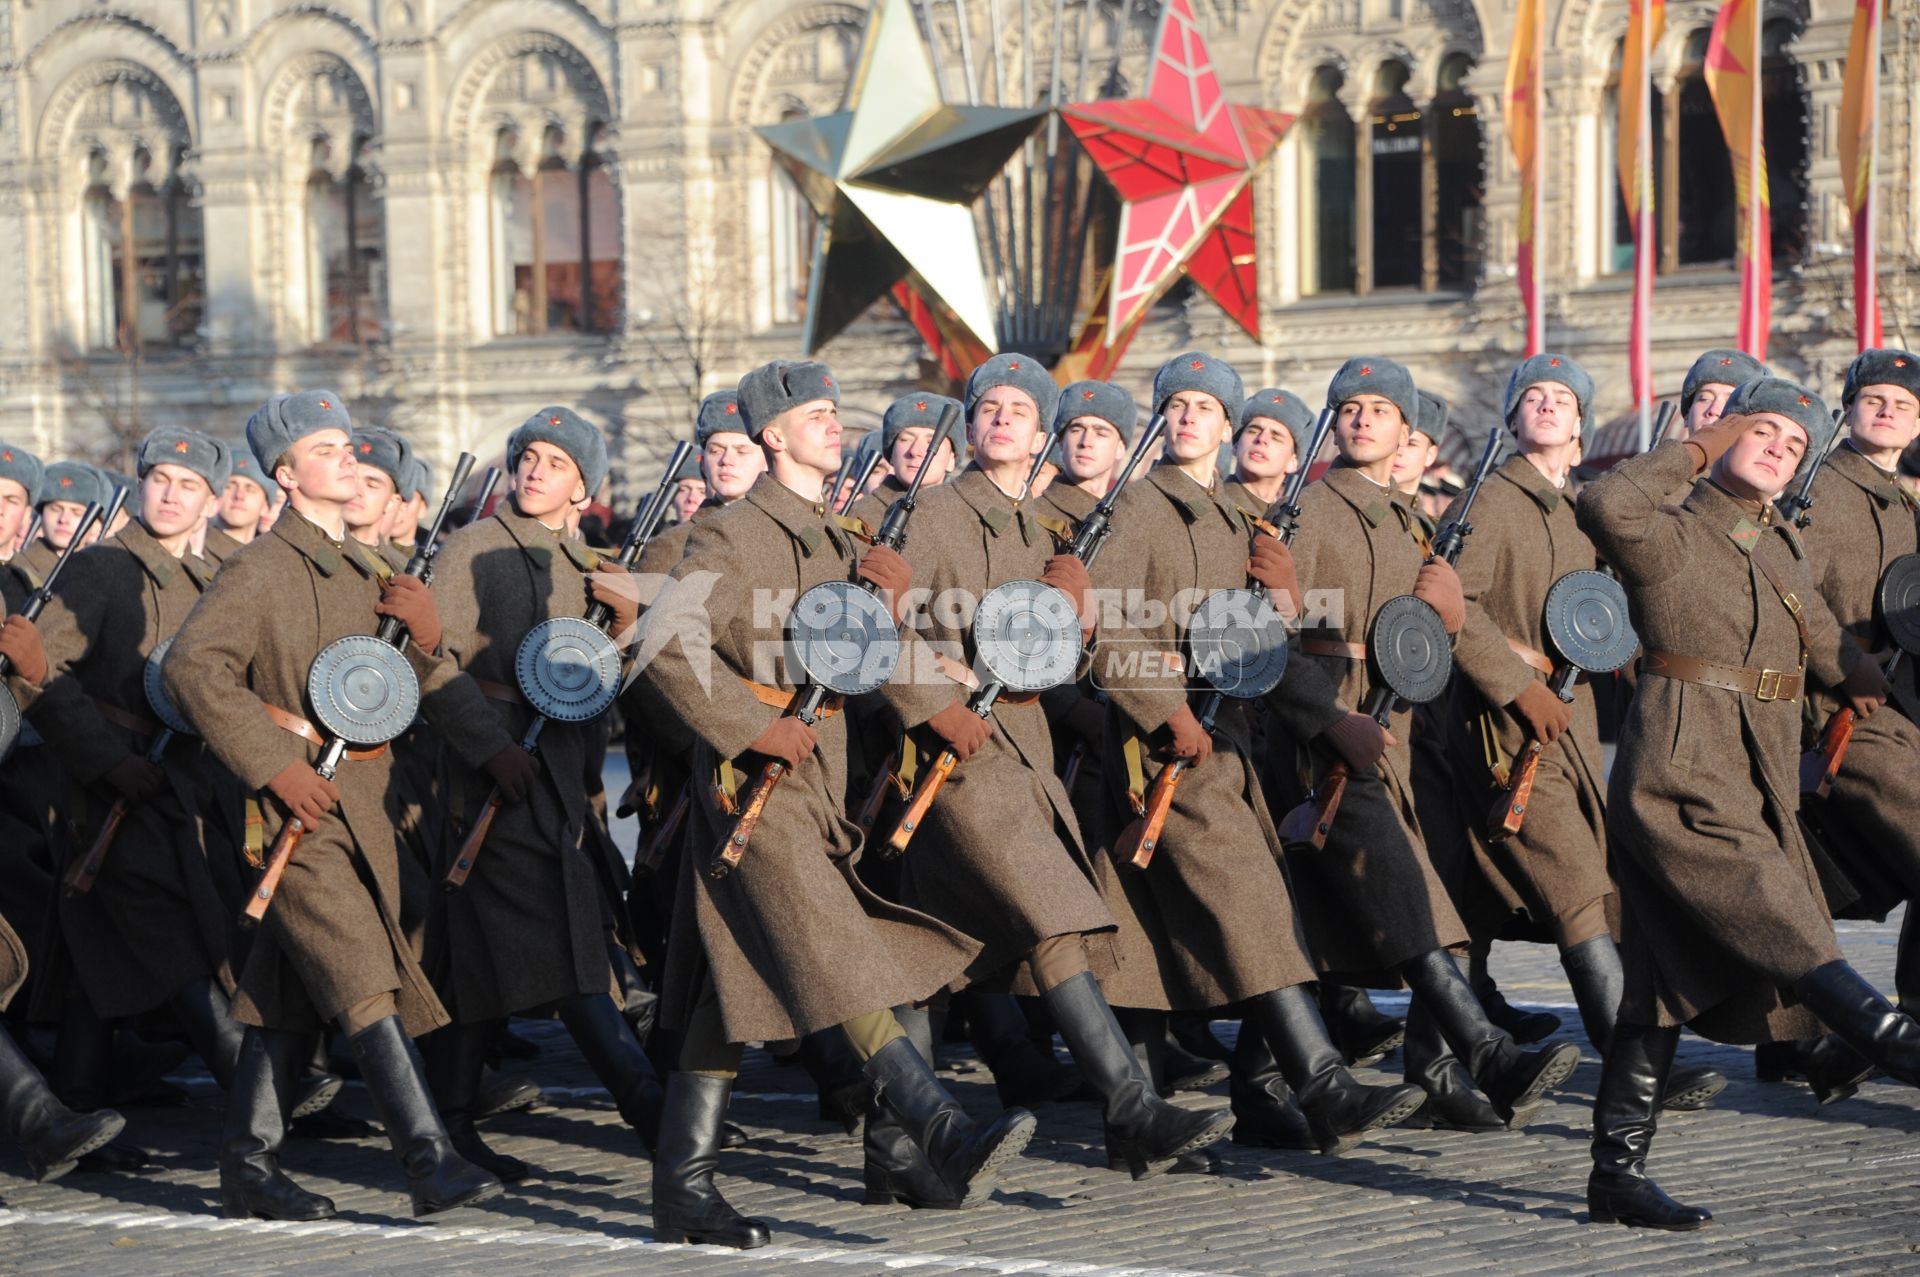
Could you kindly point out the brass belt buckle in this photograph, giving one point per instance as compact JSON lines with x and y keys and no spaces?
{"x":1769,"y":689}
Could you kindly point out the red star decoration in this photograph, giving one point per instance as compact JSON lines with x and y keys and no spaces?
{"x":919,"y":405}
{"x":325,"y":404}
{"x":66,"y":483}
{"x":366,"y":449}
{"x":553,"y":421}
{"x":1899,"y":363}
{"x":1553,"y":363}
{"x":1182,"y":158}
{"x":1198,"y":364}
{"x":1804,"y":401}
{"x":1086,"y":394}
{"x":181,"y":446}
{"x":732,"y":408}
{"x":1725,"y":362}
{"x":1279,"y":399}
{"x":826,"y":381}
{"x":1367,"y":371}
{"x":6,"y":456}
{"x":1014,"y":366}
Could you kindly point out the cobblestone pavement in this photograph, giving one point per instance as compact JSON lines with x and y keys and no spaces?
{"x":1795,"y":1188}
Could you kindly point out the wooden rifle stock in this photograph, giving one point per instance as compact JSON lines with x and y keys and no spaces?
{"x":1142,"y":837}
{"x":1510,"y":812}
{"x":86,"y":870}
{"x":931,"y":782}
{"x":668,"y":829}
{"x":463,"y":860}
{"x":870,"y":809}
{"x":1820,"y":766}
{"x":1311,"y":822}
{"x":727,"y":858}
{"x":277,"y":857}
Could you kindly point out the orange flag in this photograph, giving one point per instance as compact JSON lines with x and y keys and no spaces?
{"x":1524,"y":98}
{"x":1858,"y":130}
{"x":1733,"y":78}
{"x":1646,"y":19}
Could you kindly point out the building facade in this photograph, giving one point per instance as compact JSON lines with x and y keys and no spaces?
{"x":457,"y":211}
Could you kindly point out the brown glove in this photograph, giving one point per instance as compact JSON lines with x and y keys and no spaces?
{"x":889,"y":574}
{"x":1545,"y":714}
{"x":135,"y":779}
{"x":410,"y":601}
{"x":787,"y":739}
{"x":614,"y":586}
{"x":305,"y":792}
{"x":963,"y":730}
{"x":1439,"y":586}
{"x":1068,"y":574}
{"x":20,"y":644}
{"x":1866,"y":688}
{"x":1271,"y":564}
{"x":513,"y":771}
{"x":1190,"y":740}
{"x":1713,"y":441}
{"x":1359,"y":741}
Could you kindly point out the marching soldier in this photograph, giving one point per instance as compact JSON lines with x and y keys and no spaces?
{"x":1022,"y":885}
{"x":1211,"y":921}
{"x":790,"y":941}
{"x":531,"y":926}
{"x":66,"y":491}
{"x":906,"y":433}
{"x":1864,"y":521}
{"x":383,"y":462}
{"x":1379,"y":911}
{"x":1552,"y":873}
{"x":1724,"y":928}
{"x":1710,"y":382}
{"x":240,"y":510}
{"x":1271,"y":428}
{"x":334,"y":947}
{"x":416,"y":499}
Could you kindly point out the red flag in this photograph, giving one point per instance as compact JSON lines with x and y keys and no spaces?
{"x":1646,"y":20}
{"x":1858,"y":131}
{"x":1733,"y":78}
{"x":1524,"y":129}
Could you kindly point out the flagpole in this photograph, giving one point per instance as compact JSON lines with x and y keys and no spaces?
{"x":1756,"y":179}
{"x":1866,"y":240}
{"x":1643,"y":255}
{"x":1537,"y":321}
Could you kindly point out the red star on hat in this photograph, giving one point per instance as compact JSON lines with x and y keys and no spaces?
{"x":732,"y":408}
{"x":1367,"y":371}
{"x":66,"y":482}
{"x":826,"y":381}
{"x":1899,"y":363}
{"x":6,"y":456}
{"x":1198,"y":364}
{"x":1279,"y":398}
{"x":366,"y":449}
{"x":919,"y":405}
{"x":1724,"y":361}
{"x":1014,"y":366}
{"x":1804,"y":401}
{"x":1554,"y":362}
{"x":325,"y":404}
{"x":1086,"y":394}
{"x":181,"y":446}
{"x":553,"y":421}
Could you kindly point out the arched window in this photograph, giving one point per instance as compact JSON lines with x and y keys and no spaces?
{"x":1396,"y":160}
{"x":1697,"y":222}
{"x":1785,"y":116}
{"x":1459,"y":176}
{"x":1327,"y":186}
{"x":145,"y":282}
{"x":346,"y":255}
{"x":556,"y":243}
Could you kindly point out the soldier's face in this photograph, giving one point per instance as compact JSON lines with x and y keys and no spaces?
{"x":809,"y":435}
{"x":687,"y":496}
{"x":59,"y":520}
{"x":910,"y":453}
{"x":1547,"y":416}
{"x":321,"y":467}
{"x":1762,"y":460}
{"x":15,"y":513}
{"x":1411,"y":462}
{"x":1005,"y":428}
{"x":1370,"y":429}
{"x":1197,"y":425}
{"x":1885,"y":416}
{"x":173,"y":499}
{"x":1091,"y":447}
{"x":731,"y":462}
{"x":1708,"y":403}
{"x":546,"y":481}
{"x":242,"y":503}
{"x":1264,"y":449}
{"x":374,"y":503}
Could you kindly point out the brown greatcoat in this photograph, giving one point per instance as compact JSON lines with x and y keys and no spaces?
{"x":335,"y":936}
{"x":999,"y":854}
{"x":1525,"y":538}
{"x":1862,"y":521}
{"x":871,"y":507}
{"x":155,"y":920}
{"x":32,"y":831}
{"x":22,"y":880}
{"x":1371,"y":897}
{"x":529,"y":927}
{"x":791,"y":940}
{"x":1212,"y":919}
{"x":1721,"y":910}
{"x":219,"y":545}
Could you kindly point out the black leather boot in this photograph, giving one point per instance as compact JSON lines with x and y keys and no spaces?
{"x":1339,"y":1108}
{"x":966,"y":1155}
{"x":618,"y":1060}
{"x":1149,"y":1132}
{"x":455,"y":1056}
{"x":1452,"y":1103}
{"x":1151,"y":1041}
{"x":1512,"y":1080}
{"x":1624,"y":1120}
{"x":1182,"y":1070}
{"x":1593,"y":969}
{"x":1363,"y":1032}
{"x":1524,"y":1027}
{"x":252,"y":1185}
{"x":52,"y":1136}
{"x":896,"y":1171}
{"x":1193,"y":1032}
{"x":503,"y":1093}
{"x":1865,"y":1021}
{"x":843,"y":1089}
{"x":204,"y":1011}
{"x":1024,"y":1072}
{"x":438,"y":1178}
{"x":687,"y":1207}
{"x":1264,"y":1112}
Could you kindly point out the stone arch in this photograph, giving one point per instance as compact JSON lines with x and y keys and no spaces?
{"x":290,"y":45}
{"x":120,"y":109}
{"x":752,"y":82}
{"x":84,"y":53}
{"x":484,"y":103}
{"x":471,"y":43}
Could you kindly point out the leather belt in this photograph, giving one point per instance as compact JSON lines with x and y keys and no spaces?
{"x":1761,"y":684}
{"x":781,"y":699}
{"x":1334,"y":647}
{"x":503,"y":692}
{"x":1531,"y":656}
{"x":967,"y":679}
{"x":138,"y":724}
{"x":308,"y":732}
